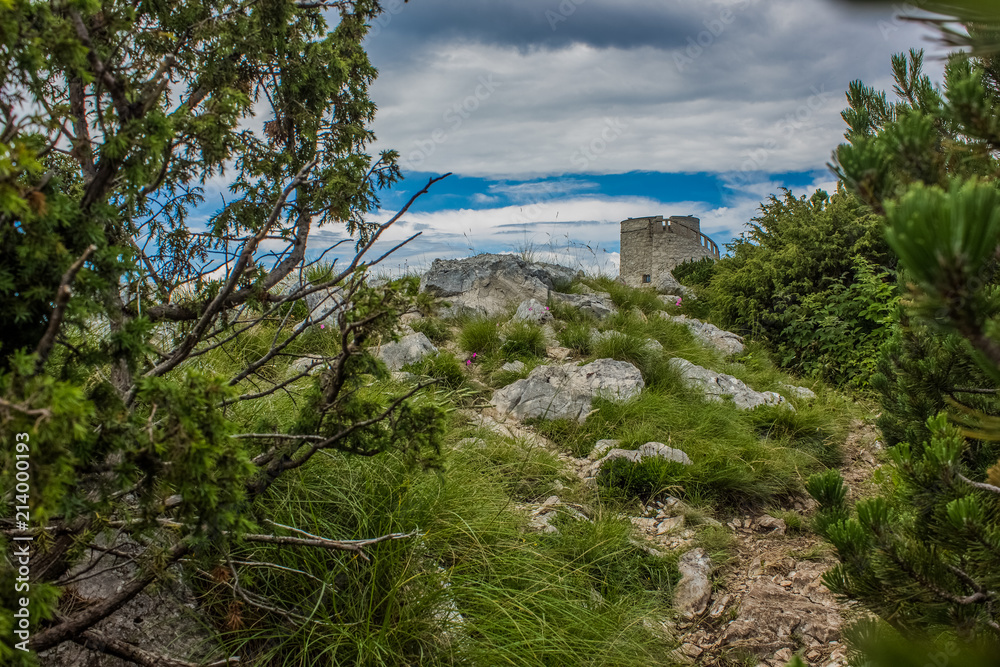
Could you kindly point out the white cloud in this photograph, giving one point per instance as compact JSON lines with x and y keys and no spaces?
{"x":765,"y":93}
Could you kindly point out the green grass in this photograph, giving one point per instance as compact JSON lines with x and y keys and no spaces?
{"x":522,"y":340}
{"x":577,"y":337}
{"x":524,"y":598}
{"x":480,"y":335}
{"x":732,"y":464}
{"x":628,"y":298}
{"x":436,"y":330}
{"x":442,"y":366}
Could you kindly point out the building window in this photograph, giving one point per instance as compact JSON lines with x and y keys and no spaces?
{"x":646,"y":278}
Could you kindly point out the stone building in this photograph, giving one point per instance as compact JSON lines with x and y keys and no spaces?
{"x":652,"y":246}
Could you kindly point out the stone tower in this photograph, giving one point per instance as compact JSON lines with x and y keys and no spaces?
{"x":652,"y":245}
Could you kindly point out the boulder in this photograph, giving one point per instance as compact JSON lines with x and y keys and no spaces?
{"x":567,"y":392}
{"x":488,"y":284}
{"x":325,"y":303}
{"x":407,"y":350}
{"x":598,"y":305}
{"x":162,"y":619}
{"x":777,"y":615}
{"x":667,"y":284}
{"x":532,"y":311}
{"x":804,"y":393}
{"x":649,"y":450}
{"x":708,"y":334}
{"x":716,"y":385}
{"x":694,"y":590}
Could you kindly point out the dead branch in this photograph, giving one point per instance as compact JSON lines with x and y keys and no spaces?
{"x":96,"y":641}
{"x":62,"y":299}
{"x":353,"y":546}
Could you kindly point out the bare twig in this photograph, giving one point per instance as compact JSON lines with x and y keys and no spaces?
{"x":62,"y":299}
{"x":96,"y":641}
{"x":354,"y":546}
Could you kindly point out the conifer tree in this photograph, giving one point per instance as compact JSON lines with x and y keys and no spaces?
{"x":924,"y":555}
{"x":117,"y":121}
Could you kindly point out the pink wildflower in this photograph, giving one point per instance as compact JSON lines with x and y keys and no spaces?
{"x":322,"y":326}
{"x":678,"y":301}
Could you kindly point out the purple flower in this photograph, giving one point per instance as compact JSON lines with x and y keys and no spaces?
{"x":473,"y":355}
{"x":322,"y":326}
{"x":678,"y":301}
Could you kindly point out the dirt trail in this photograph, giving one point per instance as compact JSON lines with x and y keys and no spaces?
{"x":770,"y":602}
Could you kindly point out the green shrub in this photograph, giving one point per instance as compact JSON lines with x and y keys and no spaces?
{"x":695,"y":271}
{"x":824,"y":313}
{"x":522,"y":339}
{"x":480,"y":335}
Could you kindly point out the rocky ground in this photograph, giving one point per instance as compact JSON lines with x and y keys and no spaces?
{"x":766,"y":603}
{"x":763,"y":605}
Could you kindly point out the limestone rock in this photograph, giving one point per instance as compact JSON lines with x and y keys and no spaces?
{"x":716,"y":385}
{"x":304,"y":364}
{"x":531,"y":310}
{"x":800,"y":392}
{"x":409,"y":349}
{"x":598,"y":305}
{"x":710,"y":335}
{"x":513,"y":366}
{"x":601,"y":448}
{"x":773,"y":617}
{"x":567,"y":392}
{"x":325,"y":304}
{"x":646,"y":451}
{"x":558,"y":353}
{"x":772,"y":525}
{"x":694,"y":589}
{"x":667,"y":284}
{"x":487,"y":284}
{"x":163,"y":620}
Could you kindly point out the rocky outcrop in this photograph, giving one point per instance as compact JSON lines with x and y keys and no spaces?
{"x":786,"y":613}
{"x":567,"y":392}
{"x":803,"y":393}
{"x":650,"y":450}
{"x":407,"y":350}
{"x":716,"y":385}
{"x":532,"y":311}
{"x":598,"y":305}
{"x":489,"y":284}
{"x":667,"y":284}
{"x":710,"y":335}
{"x":694,"y":589}
{"x":162,"y":621}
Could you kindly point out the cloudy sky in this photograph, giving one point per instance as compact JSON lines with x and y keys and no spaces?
{"x":560,"y":118}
